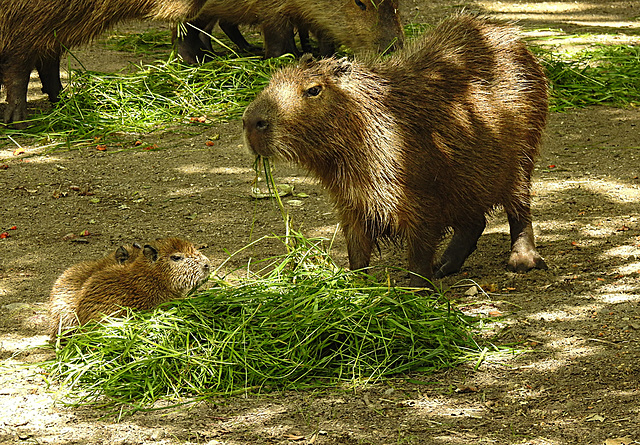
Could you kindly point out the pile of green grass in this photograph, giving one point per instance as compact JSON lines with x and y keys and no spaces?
{"x":598,"y":75}
{"x":300,"y":323}
{"x":153,"y":97}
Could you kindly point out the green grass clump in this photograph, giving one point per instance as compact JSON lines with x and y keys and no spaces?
{"x":305,"y":323}
{"x":599,"y":75}
{"x":151,"y":97}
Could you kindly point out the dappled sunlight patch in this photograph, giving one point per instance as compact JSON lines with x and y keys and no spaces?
{"x":208,"y":169}
{"x":629,"y":269}
{"x":626,"y":252}
{"x":15,"y":343}
{"x":619,"y":293}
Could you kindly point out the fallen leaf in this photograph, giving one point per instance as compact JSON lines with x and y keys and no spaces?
{"x":13,"y":228}
{"x":151,"y":147}
{"x":101,"y":147}
{"x":4,"y":166}
{"x":136,"y":143}
{"x":18,"y":151}
{"x":85,"y":233}
{"x":4,"y":235}
{"x":209,"y":143}
{"x":293,"y":437}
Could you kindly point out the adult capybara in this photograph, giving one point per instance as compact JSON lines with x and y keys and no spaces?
{"x":34,"y":33}
{"x":63,"y":296}
{"x":166,"y":269}
{"x":428,"y":140}
{"x":371,"y":25}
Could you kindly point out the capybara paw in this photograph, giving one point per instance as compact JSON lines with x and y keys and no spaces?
{"x":525,"y":261}
{"x":443,"y":268}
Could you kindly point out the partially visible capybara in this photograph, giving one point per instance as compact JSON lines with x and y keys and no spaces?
{"x":34,"y":33}
{"x":166,"y":269}
{"x":63,"y":297}
{"x":193,"y":43}
{"x":428,"y":140}
{"x":370,"y":25}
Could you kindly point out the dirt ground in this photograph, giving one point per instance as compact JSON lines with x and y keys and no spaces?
{"x":578,"y":382}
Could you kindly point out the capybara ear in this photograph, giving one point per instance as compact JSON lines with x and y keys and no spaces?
{"x":122,"y":255}
{"x":307,"y":61}
{"x":342,"y":66}
{"x":150,"y":252}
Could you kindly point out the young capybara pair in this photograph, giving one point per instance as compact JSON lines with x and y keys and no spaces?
{"x":429,"y":140}
{"x":134,"y":276}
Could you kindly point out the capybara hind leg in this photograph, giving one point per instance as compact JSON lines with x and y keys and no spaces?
{"x":462,"y":244}
{"x":278,"y":40}
{"x":524,"y":256}
{"x":49,"y":72}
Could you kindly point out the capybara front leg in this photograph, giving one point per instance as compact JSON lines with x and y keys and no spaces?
{"x":49,"y":71}
{"x":359,"y":245}
{"x":524,"y":256}
{"x":462,"y":244}
{"x":421,"y":254}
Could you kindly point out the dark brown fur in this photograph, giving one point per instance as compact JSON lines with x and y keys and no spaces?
{"x":371,"y":25}
{"x":34,"y":33}
{"x":429,"y":140}
{"x":164,"y":270}
{"x":62,"y":299}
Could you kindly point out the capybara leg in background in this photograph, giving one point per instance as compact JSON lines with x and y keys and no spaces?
{"x":49,"y":72}
{"x":462,"y":244}
{"x":15,"y":78}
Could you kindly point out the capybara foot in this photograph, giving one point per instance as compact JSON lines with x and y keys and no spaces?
{"x":524,"y":260}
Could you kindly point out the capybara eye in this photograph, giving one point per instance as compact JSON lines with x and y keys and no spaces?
{"x":361,"y":5}
{"x":176,"y":257}
{"x":313,"y":91}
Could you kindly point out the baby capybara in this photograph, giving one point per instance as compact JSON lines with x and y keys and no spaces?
{"x":428,"y":140}
{"x":163,"y":270}
{"x":63,"y":296}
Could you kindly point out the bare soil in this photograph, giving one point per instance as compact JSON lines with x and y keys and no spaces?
{"x":577,"y":383}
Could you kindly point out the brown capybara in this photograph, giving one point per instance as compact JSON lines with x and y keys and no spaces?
{"x":370,"y":25}
{"x":166,"y":269}
{"x":428,"y":140}
{"x":62,"y":300}
{"x":34,"y":33}
{"x":193,"y":43}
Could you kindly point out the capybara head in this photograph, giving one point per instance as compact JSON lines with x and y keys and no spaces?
{"x":177,"y":263}
{"x":309,"y":113}
{"x":371,"y":25}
